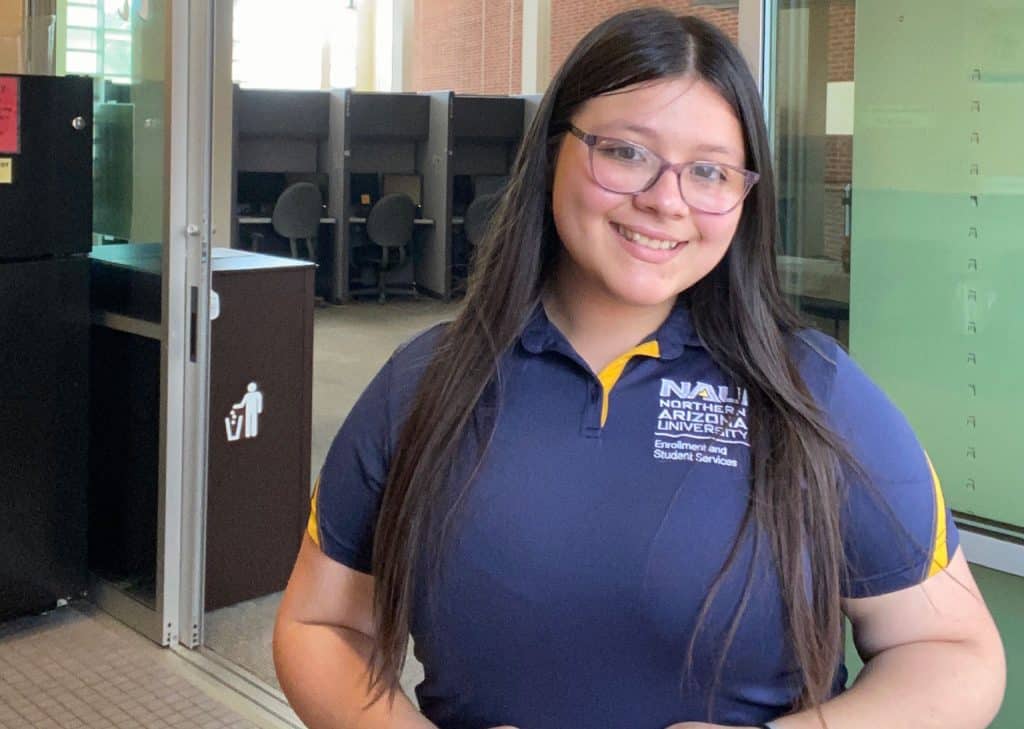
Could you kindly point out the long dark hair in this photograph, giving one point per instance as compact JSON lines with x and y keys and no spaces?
{"x":739,"y":313}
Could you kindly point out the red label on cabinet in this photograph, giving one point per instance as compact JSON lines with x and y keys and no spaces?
{"x":10,"y":115}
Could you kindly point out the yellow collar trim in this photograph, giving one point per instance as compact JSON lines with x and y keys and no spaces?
{"x":611,"y":374}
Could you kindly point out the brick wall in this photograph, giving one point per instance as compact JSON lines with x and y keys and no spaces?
{"x":470,"y":46}
{"x":838,"y":148}
{"x":475,"y":46}
{"x":841,"y":17}
{"x":571,"y":19}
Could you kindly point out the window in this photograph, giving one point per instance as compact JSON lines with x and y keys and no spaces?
{"x":98,"y":39}
{"x":302,"y":44}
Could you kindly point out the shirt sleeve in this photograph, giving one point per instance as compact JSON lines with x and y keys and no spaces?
{"x":897,"y":529}
{"x":347,"y":496}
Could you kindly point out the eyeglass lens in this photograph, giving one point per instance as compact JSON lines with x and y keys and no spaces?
{"x":622,"y":167}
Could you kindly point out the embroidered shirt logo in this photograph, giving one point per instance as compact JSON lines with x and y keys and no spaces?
{"x":700,"y":422}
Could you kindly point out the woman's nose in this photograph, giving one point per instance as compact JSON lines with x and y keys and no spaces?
{"x":664,"y":196}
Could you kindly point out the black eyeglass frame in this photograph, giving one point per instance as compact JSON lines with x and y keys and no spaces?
{"x":750,"y":177}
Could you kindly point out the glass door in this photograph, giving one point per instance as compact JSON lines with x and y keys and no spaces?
{"x":260,"y":474}
{"x":901,"y":201}
{"x":939,"y":184}
{"x":147,"y":249}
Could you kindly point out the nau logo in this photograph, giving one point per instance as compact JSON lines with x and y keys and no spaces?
{"x":700,"y":422}
{"x":703,"y":391}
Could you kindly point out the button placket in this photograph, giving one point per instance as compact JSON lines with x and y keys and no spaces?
{"x":591,"y":425}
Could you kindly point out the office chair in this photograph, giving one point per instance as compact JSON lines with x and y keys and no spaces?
{"x":296,"y":217}
{"x":478,"y":217}
{"x":475,"y":222}
{"x":390,"y":227}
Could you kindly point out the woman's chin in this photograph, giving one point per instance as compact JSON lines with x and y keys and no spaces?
{"x":646,"y":297}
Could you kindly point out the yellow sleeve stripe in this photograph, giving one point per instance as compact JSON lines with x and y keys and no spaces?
{"x":313,"y":526}
{"x":940,"y":553}
{"x":611,"y":374}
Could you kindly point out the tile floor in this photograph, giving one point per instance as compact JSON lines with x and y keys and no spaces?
{"x":77,"y":668}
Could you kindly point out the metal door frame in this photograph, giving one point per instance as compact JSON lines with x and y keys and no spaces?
{"x":193,"y":286}
{"x":183,"y":334}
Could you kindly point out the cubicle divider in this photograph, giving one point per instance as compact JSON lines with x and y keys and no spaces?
{"x":485,"y":137}
{"x":531,"y":103}
{"x":434,"y":270}
{"x":442,"y":148}
{"x":279,"y":137}
{"x":339,"y":192}
{"x":382,"y":136}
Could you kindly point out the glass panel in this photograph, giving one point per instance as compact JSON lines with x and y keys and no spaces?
{"x":117,"y":14}
{"x":129,"y":202}
{"x":925,"y":214}
{"x":814,"y":144}
{"x":82,"y":62}
{"x":82,"y":17}
{"x":260,"y":466}
{"x":80,"y":39}
{"x":931,"y":257}
{"x":298,"y":31}
{"x":117,"y":56}
{"x":939,"y":190}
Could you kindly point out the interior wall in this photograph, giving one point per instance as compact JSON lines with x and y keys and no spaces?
{"x":223,"y":99}
{"x":365,"y":46}
{"x":12,"y":22}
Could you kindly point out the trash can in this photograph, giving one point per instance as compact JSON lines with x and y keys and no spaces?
{"x":261,"y":385}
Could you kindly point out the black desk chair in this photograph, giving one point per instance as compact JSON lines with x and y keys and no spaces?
{"x":475,"y":223}
{"x":389,"y":226}
{"x":478,"y":217}
{"x":296,"y":217}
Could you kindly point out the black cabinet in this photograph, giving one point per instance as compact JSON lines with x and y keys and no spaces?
{"x":47,"y":203}
{"x":44,"y":339}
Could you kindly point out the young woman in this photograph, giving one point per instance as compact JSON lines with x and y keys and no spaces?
{"x":625,"y":488}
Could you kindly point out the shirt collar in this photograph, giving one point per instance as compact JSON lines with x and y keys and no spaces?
{"x":673,"y":336}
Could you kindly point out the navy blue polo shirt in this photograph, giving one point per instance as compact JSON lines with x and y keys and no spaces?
{"x":603,"y":510}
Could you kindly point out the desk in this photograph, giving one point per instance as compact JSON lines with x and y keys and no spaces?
{"x":417,"y":221}
{"x":249,"y":220}
{"x":821,"y":286}
{"x":819,"y":278}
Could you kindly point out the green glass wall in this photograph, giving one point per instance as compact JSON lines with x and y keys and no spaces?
{"x":937,"y":253}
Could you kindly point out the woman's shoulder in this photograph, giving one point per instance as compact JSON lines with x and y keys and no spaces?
{"x":412,"y":356}
{"x":858,"y":408}
{"x":838,"y":382}
{"x":819,"y":358}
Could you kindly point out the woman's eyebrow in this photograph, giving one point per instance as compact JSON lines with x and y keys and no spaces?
{"x":648,"y":132}
{"x":652,"y":134}
{"x":713,"y":148}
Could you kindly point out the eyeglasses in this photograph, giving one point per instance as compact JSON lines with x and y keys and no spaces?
{"x":629,"y":169}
